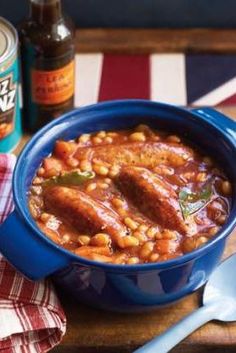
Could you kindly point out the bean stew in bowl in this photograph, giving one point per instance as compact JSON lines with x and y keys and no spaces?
{"x":124,"y":216}
{"x":129,"y":196}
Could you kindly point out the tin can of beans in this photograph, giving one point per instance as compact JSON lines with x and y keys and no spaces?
{"x":10,"y":119}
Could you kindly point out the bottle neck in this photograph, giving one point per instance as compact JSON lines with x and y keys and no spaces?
{"x":45,"y":11}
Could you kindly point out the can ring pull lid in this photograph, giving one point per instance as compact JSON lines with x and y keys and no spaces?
{"x":7,"y":40}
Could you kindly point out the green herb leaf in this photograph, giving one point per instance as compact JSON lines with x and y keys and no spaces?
{"x":192,"y":202}
{"x":71,"y":178}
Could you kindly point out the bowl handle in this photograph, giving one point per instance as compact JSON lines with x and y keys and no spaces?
{"x":29,"y":253}
{"x":219,"y":120}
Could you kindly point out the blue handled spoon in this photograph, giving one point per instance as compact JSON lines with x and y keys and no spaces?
{"x":219,"y":303}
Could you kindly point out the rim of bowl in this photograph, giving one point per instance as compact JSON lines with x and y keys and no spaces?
{"x":224,"y":231}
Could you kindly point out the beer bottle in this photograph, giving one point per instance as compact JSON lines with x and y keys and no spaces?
{"x":47,"y":48}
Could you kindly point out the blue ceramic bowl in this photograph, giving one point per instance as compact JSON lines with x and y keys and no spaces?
{"x":118,"y":287}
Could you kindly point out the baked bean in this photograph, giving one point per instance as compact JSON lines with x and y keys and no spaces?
{"x":72,"y":162}
{"x":66,"y":238}
{"x":185,"y":156}
{"x":37,"y":181}
{"x":112,"y":134}
{"x":213,"y":230}
{"x":221,"y":219}
{"x":101,"y":239}
{"x":133,"y":261}
{"x":154,"y":257}
{"x":85,"y":166}
{"x":131,"y":223}
{"x":97,"y":140}
{"x":114,"y":171}
{"x":45,"y":217}
{"x":130,"y":241}
{"x":143,"y":228}
{"x":100,"y":170}
{"x":84,"y":239}
{"x":120,"y":259}
{"x":91,"y":187}
{"x":137,"y":137}
{"x":140,"y":236}
{"x":169,"y":234}
{"x":188,"y":175}
{"x":146,"y":250}
{"x":103,"y":185}
{"x":117,"y":202}
{"x":122,"y":211}
{"x":101,"y":134}
{"x":152,"y":231}
{"x":200,"y":241}
{"x":142,"y":128}
{"x":226,"y":188}
{"x":40,"y":171}
{"x":173,"y":138}
{"x":36,"y":190}
{"x":108,"y":181}
{"x":108,"y":139}
{"x":158,"y":235}
{"x":84,"y":138}
{"x":189,"y":244}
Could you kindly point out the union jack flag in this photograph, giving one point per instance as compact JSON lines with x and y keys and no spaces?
{"x":198,"y":80}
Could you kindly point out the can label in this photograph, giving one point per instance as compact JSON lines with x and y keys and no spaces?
{"x":53,"y":87}
{"x":10,"y":121}
{"x":7,"y":105}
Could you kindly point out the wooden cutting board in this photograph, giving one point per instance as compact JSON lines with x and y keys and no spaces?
{"x":95,"y":331}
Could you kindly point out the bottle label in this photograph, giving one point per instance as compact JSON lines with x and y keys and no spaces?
{"x":7,"y":105}
{"x":53,"y":87}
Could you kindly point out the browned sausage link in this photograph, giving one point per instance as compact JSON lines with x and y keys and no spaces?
{"x":152,"y":196}
{"x":147,"y":154}
{"x":82,"y":212}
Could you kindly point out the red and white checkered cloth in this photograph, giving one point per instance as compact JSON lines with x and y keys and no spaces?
{"x":31,"y":317}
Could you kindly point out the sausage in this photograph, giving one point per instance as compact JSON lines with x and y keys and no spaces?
{"x":152,"y":196}
{"x":83,"y":213}
{"x":145,"y":154}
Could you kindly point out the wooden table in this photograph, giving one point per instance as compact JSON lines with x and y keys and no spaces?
{"x":94,"y":331}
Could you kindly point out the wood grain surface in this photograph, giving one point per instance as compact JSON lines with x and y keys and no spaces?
{"x":95,"y":331}
{"x":139,"y":41}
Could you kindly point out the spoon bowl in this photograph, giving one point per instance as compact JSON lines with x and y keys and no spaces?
{"x":219,"y":303}
{"x":221,"y":290}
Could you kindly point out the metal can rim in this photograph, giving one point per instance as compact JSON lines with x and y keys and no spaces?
{"x":13,"y":48}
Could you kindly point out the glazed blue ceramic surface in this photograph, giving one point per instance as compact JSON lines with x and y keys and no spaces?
{"x":118,"y":287}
